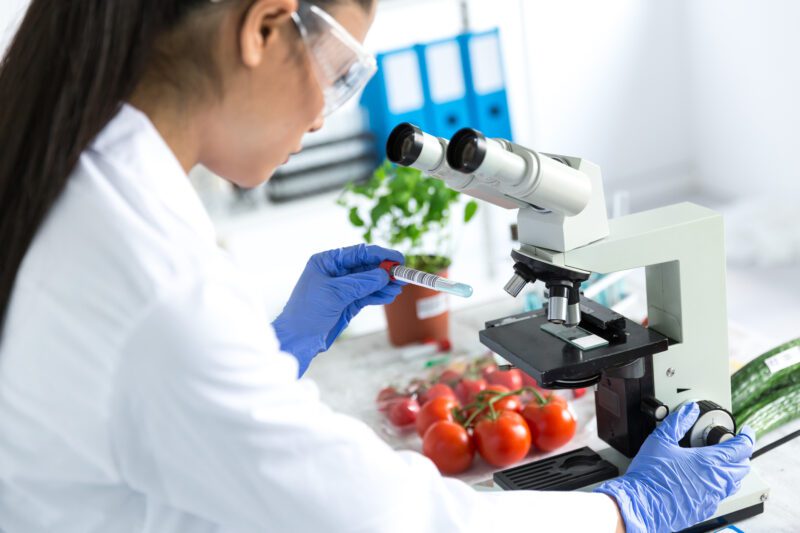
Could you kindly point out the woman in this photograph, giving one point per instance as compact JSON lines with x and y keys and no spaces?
{"x":141,"y":386}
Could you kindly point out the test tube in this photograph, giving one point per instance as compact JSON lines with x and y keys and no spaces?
{"x":423,"y":279}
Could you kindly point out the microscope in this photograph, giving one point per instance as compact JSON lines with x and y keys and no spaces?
{"x":639,"y":373}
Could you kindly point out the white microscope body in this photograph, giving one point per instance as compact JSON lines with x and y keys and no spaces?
{"x":563,"y":227}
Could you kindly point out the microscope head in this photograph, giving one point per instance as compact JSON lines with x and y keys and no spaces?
{"x":560,"y":201}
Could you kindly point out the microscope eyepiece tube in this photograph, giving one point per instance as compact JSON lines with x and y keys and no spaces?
{"x":409,"y":146}
{"x":471,"y":152}
{"x":467,"y":150}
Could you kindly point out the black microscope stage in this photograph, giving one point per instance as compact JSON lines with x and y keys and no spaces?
{"x":555,"y":363}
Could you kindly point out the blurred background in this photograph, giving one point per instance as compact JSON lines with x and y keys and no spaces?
{"x":679,"y":100}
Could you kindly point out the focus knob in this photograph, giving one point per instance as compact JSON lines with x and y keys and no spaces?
{"x":718,"y":435}
{"x":712,"y":419}
{"x":654,"y":409}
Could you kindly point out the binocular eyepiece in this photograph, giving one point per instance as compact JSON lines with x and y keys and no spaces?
{"x":492,"y":169}
{"x":405,"y":144}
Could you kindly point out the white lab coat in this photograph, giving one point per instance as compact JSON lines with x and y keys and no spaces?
{"x":142,"y":390}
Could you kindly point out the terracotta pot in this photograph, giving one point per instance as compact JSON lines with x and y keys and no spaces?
{"x":418,"y":314}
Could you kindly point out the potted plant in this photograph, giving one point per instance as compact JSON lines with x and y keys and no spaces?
{"x":401,"y":208}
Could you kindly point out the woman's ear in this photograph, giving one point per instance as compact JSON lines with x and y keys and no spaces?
{"x":258,"y":28}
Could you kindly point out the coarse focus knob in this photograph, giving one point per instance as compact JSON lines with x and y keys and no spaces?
{"x":711,"y":416}
{"x":718,"y":435}
{"x":654,"y":409}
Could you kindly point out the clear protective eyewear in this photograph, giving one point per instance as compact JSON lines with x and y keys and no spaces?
{"x":342,"y":66}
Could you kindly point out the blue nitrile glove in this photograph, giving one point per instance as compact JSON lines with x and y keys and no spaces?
{"x":669,"y":488}
{"x":333,"y":288}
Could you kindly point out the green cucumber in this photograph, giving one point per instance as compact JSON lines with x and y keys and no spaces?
{"x":776,"y":409}
{"x":754,"y":380}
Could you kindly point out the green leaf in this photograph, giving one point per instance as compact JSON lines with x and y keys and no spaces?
{"x":355,"y":219}
{"x":380,"y":210}
{"x":470,"y":210}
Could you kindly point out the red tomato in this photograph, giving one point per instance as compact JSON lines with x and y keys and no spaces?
{"x":435,"y":410}
{"x":468,"y":389}
{"x":503,"y":441}
{"x":528,"y":381}
{"x":385,"y":397}
{"x":487,"y":370}
{"x":449,"y":446}
{"x":509,"y":403}
{"x":439,"y":390}
{"x":552,"y":425}
{"x":507,"y":378}
{"x":450,"y":377}
{"x":579,"y":393}
{"x":403,"y":412}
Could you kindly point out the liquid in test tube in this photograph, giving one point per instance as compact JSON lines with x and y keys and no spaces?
{"x":423,"y":279}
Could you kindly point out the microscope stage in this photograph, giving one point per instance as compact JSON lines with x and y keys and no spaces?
{"x":556,"y":363}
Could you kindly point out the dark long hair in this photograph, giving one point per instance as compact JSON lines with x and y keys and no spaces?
{"x":69,"y":68}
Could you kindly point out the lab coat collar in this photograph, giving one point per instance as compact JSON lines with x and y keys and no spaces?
{"x":132,"y":142}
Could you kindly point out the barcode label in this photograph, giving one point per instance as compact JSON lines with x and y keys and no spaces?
{"x":415,"y":276}
{"x":783,"y":360}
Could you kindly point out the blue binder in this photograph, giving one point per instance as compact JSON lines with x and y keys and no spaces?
{"x":443,"y":78}
{"x":486,"y":85}
{"x":396,"y":94}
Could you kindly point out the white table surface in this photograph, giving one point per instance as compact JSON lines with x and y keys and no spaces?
{"x":351,"y":373}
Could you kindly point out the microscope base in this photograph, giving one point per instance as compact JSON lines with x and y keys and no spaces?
{"x":584,"y":469}
{"x":747,"y":502}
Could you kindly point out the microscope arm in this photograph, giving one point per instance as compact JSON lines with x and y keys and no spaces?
{"x":682,"y":248}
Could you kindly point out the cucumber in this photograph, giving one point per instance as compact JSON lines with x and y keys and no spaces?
{"x":776,"y":409}
{"x":754,"y":380}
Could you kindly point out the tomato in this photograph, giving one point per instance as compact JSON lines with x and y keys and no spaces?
{"x":439,"y":390}
{"x":579,"y":393}
{"x":468,"y":389}
{"x":507,"y":378}
{"x":403,"y":412}
{"x":437,"y":409}
{"x":449,"y":446}
{"x":528,"y":381}
{"x":487,"y":370}
{"x":450,"y":377}
{"x":502,"y":441}
{"x":509,"y":403}
{"x":385,"y":397}
{"x":552,"y":425}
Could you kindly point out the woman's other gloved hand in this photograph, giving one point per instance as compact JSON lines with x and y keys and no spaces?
{"x":669,"y":488}
{"x":333,"y":288}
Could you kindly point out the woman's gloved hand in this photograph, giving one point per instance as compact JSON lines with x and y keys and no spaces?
{"x":669,"y":488}
{"x":333,"y":288}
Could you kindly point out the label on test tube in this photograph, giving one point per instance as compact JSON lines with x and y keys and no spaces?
{"x":424,"y":279}
{"x":417,"y":277}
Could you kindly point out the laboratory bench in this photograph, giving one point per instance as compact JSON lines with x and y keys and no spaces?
{"x":352,"y":372}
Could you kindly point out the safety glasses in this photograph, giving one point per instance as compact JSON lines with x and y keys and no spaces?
{"x":342,"y":66}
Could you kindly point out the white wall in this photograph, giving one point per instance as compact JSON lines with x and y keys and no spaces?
{"x":603,"y":80}
{"x":11,"y":12}
{"x":606,"y":82}
{"x":745,"y":108}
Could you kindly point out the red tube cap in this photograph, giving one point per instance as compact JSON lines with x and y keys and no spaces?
{"x":387,"y":266}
